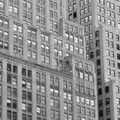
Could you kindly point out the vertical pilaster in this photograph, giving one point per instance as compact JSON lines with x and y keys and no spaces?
{"x":11,"y":37}
{"x":52,"y":51}
{"x":38,"y":47}
{"x":6,"y":7}
{"x":4,"y":91}
{"x":34,"y":12}
{"x":61,"y":98}
{"x":48,"y":96}
{"x":25,"y":42}
{"x":64,"y":9}
{"x":34,"y":93}
{"x":19,"y":91}
{"x":64,"y":40}
{"x":74,"y":83}
{"x":47,"y":16}
{"x":21,"y":10}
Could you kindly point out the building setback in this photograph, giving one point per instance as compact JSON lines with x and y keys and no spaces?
{"x":44,"y":74}
{"x":102,"y":33}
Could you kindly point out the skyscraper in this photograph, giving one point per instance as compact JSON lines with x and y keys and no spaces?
{"x":44,"y":74}
{"x":101,"y":22}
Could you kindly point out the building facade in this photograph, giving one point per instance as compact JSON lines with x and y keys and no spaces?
{"x":34,"y":92}
{"x":101,"y":28}
{"x":44,"y":74}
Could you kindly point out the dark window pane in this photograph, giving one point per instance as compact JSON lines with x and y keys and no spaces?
{"x":29,"y":73}
{"x":8,"y":67}
{"x":8,"y":115}
{"x":14,"y":104}
{"x":24,"y":71}
{"x":14,"y":115}
{"x":29,"y":96}
{"x":14,"y":92}
{"x":9,"y":78}
{"x":15,"y":69}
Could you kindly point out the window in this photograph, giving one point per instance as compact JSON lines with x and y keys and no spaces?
{"x":38,"y":110}
{"x":118,"y":65}
{"x":107,"y":111}
{"x":92,"y":102}
{"x":77,"y":99}
{"x":9,"y":115}
{"x":107,"y":89}
{"x":118,"y":46}
{"x":99,"y":91}
{"x":119,"y":25}
{"x":81,"y":75}
{"x":100,"y":113}
{"x":2,"y":6}
{"x":91,"y":78}
{"x":15,"y":69}
{"x":29,"y":73}
{"x":26,"y":95}
{"x":98,"y":62}
{"x":117,"y":37}
{"x":98,"y":52}
{"x":8,"y":67}
{"x":98,"y":71}
{"x":118,"y":110}
{"x":97,"y":43}
{"x":118,"y":56}
{"x":100,"y":103}
{"x":118,"y":101}
{"x":107,"y":101}
{"x":112,"y":6}
{"x":14,"y":115}
{"x":86,"y":76}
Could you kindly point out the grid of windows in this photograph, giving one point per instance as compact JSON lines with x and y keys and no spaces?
{"x":83,"y":89}
{"x":13,"y":8}
{"x":18,"y":39}
{"x":27,"y":11}
{"x":72,"y":9}
{"x":45,"y":49}
{"x":40,"y":13}
{"x":68,"y":100}
{"x":41,"y":95}
{"x":74,"y":42}
{"x":112,"y":51}
{"x":25,"y":75}
{"x":12,"y":86}
{"x":53,"y":13}
{"x":85,"y":104}
{"x":4,"y":33}
{"x":54,"y":97}
{"x":32,"y":43}
{"x":26,"y":93}
{"x":58,"y":51}
{"x":85,"y":18}
{"x":106,"y":13}
{"x":1,"y":76}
